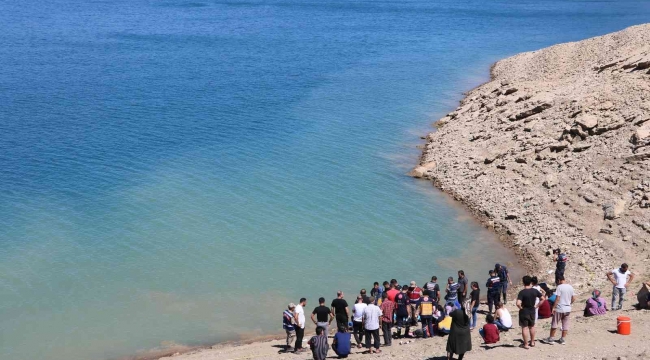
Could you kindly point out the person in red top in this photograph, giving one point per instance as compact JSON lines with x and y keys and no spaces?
{"x":490,"y":332}
{"x":544,"y":310}
{"x":387,"y":308}
{"x":391,"y":291}
{"x":414,"y":293}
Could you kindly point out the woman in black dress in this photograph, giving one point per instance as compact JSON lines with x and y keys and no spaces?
{"x":460,"y":338}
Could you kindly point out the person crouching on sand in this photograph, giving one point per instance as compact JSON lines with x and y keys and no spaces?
{"x":595,"y":305}
{"x":342,"y":343}
{"x":318,"y":344}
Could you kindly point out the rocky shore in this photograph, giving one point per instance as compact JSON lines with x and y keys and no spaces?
{"x":554,"y":152}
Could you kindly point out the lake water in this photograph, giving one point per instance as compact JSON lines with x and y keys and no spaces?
{"x":176,"y":172}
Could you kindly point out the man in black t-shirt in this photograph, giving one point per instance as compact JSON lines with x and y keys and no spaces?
{"x":323,"y":316}
{"x":340,"y":310}
{"x":402,"y":311}
{"x":526,"y":304}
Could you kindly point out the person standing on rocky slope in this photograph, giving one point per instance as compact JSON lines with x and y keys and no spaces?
{"x":620,"y":278}
{"x":560,"y":264}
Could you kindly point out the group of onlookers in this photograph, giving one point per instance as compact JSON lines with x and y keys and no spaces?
{"x":403,"y":307}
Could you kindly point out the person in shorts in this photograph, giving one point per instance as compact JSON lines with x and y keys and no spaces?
{"x":526,"y":300}
{"x":565,"y":297}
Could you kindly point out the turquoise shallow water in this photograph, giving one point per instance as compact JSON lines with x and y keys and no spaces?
{"x":177,"y":171}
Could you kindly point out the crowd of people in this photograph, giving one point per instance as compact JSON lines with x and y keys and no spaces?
{"x":411,"y":311}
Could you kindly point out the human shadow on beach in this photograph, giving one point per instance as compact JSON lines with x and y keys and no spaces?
{"x":437,"y":358}
{"x":491,"y":346}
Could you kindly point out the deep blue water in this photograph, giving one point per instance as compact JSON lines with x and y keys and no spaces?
{"x":178,"y":171}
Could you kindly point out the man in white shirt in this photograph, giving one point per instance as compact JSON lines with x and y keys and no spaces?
{"x":371,"y":322}
{"x":300,"y":326}
{"x":565,"y":296}
{"x":357,"y":320}
{"x":620,"y":277}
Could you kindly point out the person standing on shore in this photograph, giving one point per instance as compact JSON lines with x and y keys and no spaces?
{"x":425,"y":310}
{"x":463,"y":286}
{"x":289,"y":325}
{"x":340,"y":310}
{"x":434,"y":289}
{"x":565,"y":296}
{"x":504,"y":276}
{"x":323,"y":316}
{"x":392,"y":292}
{"x":402,"y":311}
{"x":357,"y":320}
{"x":376,"y":292}
{"x":366,"y":299}
{"x":493,"y":285}
{"x":452,"y":292}
{"x":460,"y":338}
{"x":526,"y":304}
{"x":371,"y":319}
{"x":319,"y":345}
{"x":414,"y":293}
{"x":620,"y":278}
{"x":300,"y":325}
{"x":474,"y":302}
{"x":387,"y":309}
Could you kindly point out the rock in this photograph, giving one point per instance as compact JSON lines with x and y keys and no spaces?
{"x":510,"y":91}
{"x":521,"y":160}
{"x":614,"y":210}
{"x":550,"y":181}
{"x":638,"y":157}
{"x":422,"y":170}
{"x":587,"y":121}
{"x":530,"y":112}
{"x":511,"y":216}
{"x":581,"y":148}
{"x":606,"y":231}
{"x":642,"y":133}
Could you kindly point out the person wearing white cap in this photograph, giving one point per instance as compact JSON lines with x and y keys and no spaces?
{"x":289,"y":325}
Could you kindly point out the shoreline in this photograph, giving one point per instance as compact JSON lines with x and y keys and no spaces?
{"x":530,"y":254}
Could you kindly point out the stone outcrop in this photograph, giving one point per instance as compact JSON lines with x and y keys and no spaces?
{"x":554,"y":151}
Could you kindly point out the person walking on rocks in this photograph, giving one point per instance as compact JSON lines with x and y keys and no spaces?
{"x":526,"y":304}
{"x":340,"y":310}
{"x":300,"y":325}
{"x":504,"y":276}
{"x":565,"y":296}
{"x":371,"y":320}
{"x":289,"y":325}
{"x":387,"y":310}
{"x":620,"y":278}
{"x":493,"y":285}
